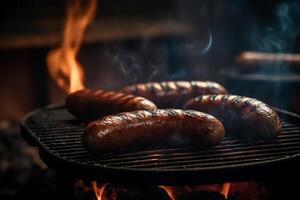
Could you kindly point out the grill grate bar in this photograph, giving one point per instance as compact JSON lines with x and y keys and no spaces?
{"x":219,"y":164}
{"x":77,"y":143}
{"x":56,"y":127}
{"x":72,"y":130}
{"x":73,"y":137}
{"x":287,"y":125}
{"x":60,"y":133}
{"x":178,"y":159}
{"x":202,"y":162}
{"x":284,"y":132}
{"x":186,"y":152}
{"x":291,"y":129}
{"x":66,"y":137}
{"x":66,"y":129}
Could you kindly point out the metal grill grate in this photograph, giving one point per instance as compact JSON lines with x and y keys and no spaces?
{"x":58,"y":134}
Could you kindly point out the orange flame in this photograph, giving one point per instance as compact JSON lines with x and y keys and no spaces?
{"x":175,"y":192}
{"x":62,"y":63}
{"x":98,"y":190}
{"x":225,"y":189}
{"x":169,"y":191}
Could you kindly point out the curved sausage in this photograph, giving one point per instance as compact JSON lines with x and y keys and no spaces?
{"x":173,"y":94}
{"x":90,"y":104}
{"x":244,"y":117}
{"x":152,"y":128}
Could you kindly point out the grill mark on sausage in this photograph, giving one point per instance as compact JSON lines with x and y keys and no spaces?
{"x":172,"y":112}
{"x":157,"y":88}
{"x":140,"y":128}
{"x":199,"y":98}
{"x":127,"y":101}
{"x":97,"y":92}
{"x":117,"y":96}
{"x":151,"y":88}
{"x":132,"y":102}
{"x":240,"y":114}
{"x":194,"y":85}
{"x":107,"y":95}
{"x":92,"y":104}
{"x":135,"y":90}
{"x":224,"y":101}
{"x":140,"y":116}
{"x":173,"y":87}
{"x":165,"y":86}
{"x":120,"y":102}
{"x":190,"y":113}
{"x":213,"y":97}
{"x":178,"y":86}
{"x":174,"y":94}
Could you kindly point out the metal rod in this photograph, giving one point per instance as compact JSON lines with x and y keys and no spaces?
{"x":249,"y":57}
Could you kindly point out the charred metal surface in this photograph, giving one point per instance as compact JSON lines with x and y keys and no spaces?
{"x":58,"y":135}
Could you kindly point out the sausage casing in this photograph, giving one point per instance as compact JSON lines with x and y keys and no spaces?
{"x":152,"y":128}
{"x":173,"y":94}
{"x":244,"y":117}
{"x":90,"y":104}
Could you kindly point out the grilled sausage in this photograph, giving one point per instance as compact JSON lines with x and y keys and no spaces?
{"x":152,"y":128}
{"x":244,"y":117}
{"x":92,"y":104}
{"x":173,"y":94}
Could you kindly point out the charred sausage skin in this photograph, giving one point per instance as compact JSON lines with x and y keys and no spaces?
{"x":170,"y":127}
{"x":173,"y":94}
{"x":244,"y":117}
{"x":90,"y":104}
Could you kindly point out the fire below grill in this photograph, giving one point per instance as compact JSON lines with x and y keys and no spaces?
{"x":58,"y":135}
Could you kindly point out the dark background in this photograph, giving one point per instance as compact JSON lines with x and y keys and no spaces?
{"x":137,"y":41}
{"x":134,"y":41}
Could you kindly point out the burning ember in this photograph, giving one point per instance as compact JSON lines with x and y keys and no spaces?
{"x":235,"y":190}
{"x":176,"y":192}
{"x":225,"y":189}
{"x":62,"y":63}
{"x":98,"y":189}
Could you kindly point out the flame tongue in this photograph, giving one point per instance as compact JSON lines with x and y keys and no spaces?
{"x":98,"y":190}
{"x":176,"y":192}
{"x":225,"y":189}
{"x":62,"y":63}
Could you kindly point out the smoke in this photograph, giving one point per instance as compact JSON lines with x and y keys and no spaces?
{"x":165,"y":59}
{"x":152,"y":75}
{"x":199,"y":45}
{"x":130,"y":66}
{"x":279,"y":34}
{"x":180,"y":74}
{"x":138,"y":61}
{"x":209,"y":43}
